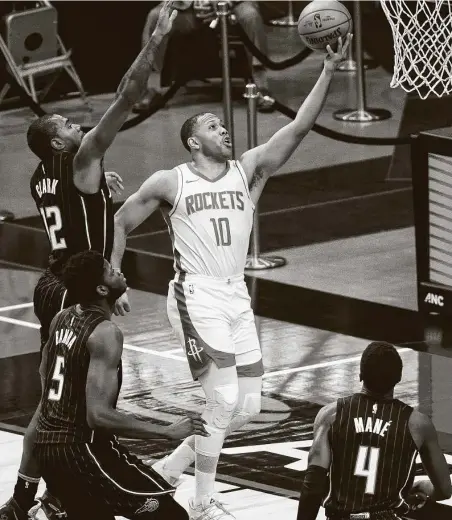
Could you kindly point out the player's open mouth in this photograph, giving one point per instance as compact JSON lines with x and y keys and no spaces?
{"x":227,"y":141}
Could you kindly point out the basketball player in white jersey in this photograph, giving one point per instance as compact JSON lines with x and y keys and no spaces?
{"x":208,"y":204}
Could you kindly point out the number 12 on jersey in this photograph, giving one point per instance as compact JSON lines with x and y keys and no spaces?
{"x":222,"y":231}
{"x":371,"y":456}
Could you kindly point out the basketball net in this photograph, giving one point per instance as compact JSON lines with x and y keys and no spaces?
{"x":422,"y":32}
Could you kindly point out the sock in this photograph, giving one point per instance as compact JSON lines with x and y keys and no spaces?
{"x":25,"y":491}
{"x":181,"y":458}
{"x":205,"y":473}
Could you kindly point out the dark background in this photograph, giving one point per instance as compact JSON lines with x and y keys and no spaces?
{"x":105,"y":37}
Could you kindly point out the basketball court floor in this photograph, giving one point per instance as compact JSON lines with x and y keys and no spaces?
{"x":334,"y":213}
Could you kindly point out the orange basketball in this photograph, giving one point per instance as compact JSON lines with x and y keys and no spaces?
{"x":321,"y":23}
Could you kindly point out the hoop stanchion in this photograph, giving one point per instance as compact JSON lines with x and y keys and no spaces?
{"x":361,"y":114}
{"x":223,"y":14}
{"x":254,"y":261}
{"x":286,"y":21}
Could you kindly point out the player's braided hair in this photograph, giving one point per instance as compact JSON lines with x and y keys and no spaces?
{"x":188,"y":128}
{"x":40,"y":134}
{"x":82,"y":273}
{"x":381,"y":367}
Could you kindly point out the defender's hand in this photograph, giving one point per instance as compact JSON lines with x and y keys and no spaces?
{"x":122,"y":305}
{"x":186,"y":427}
{"x":167,"y":15}
{"x":334,"y":58}
{"x":114,"y":182}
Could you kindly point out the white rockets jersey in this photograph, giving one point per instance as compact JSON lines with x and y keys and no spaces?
{"x":211,"y":221}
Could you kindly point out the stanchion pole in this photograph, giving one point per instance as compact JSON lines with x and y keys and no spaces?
{"x":223,"y":14}
{"x":254,"y":261}
{"x":286,"y":21}
{"x":361,"y":114}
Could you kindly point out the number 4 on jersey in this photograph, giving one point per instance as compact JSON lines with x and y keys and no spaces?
{"x":371,"y":456}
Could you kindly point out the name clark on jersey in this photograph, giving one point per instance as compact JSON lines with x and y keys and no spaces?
{"x":46,"y":186}
{"x":212,"y":200}
{"x":372,"y":426}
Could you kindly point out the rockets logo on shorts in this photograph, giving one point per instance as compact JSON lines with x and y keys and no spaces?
{"x":194,"y":350}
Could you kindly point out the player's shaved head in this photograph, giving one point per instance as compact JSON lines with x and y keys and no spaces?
{"x":190,"y":125}
{"x":40,"y":134}
{"x":381,"y":367}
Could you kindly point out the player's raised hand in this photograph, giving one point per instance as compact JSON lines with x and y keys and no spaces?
{"x":168,"y":13}
{"x":122,"y":305}
{"x":114,"y":182}
{"x":333,"y":59}
{"x":187,"y":426}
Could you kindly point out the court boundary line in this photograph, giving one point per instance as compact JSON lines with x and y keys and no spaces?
{"x":14,"y":307}
{"x":168,"y":355}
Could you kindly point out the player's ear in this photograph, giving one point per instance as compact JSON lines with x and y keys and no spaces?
{"x":57,"y":144}
{"x":102,"y":291}
{"x":360,"y":377}
{"x":193,"y":143}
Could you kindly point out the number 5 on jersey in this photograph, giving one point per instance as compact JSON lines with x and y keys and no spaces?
{"x":51,"y":216}
{"x":58,"y":376}
{"x":371,"y":456}
{"x":222,"y":231}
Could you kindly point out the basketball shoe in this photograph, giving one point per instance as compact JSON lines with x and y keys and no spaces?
{"x":51,"y":507}
{"x":209,"y":509}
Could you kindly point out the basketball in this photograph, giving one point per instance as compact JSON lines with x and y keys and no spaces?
{"x":321,"y":23}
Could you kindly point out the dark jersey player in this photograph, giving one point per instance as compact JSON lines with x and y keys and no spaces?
{"x":72,"y":196}
{"x":92,"y":474}
{"x":368,"y":443}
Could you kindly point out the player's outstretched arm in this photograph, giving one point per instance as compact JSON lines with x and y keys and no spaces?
{"x":105,"y":347}
{"x":316,"y":477}
{"x":136,"y":209}
{"x":131,"y":89}
{"x":264,"y":160}
{"x":424,"y":434}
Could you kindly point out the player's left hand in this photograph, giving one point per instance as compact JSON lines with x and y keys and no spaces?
{"x":333,"y":59}
{"x":114,"y":182}
{"x":193,"y":425}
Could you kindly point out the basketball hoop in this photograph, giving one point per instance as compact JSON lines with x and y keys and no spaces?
{"x":422,"y":32}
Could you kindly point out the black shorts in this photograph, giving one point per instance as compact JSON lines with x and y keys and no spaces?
{"x":49,"y":298}
{"x":103,"y":480}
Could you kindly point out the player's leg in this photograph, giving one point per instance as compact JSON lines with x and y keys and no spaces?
{"x":250,"y":368}
{"x":49,"y":298}
{"x":196,"y":314}
{"x":64,"y":468}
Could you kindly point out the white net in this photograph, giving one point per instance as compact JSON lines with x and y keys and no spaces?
{"x":422,"y":32}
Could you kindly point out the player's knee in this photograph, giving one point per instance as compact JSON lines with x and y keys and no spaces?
{"x":221,"y":407}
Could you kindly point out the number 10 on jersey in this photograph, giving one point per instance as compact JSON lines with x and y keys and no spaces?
{"x":222,"y":231}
